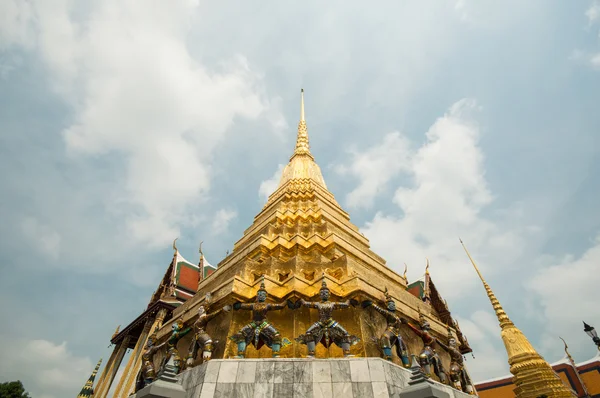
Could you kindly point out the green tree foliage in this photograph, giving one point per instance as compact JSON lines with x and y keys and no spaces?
{"x":13,"y":389}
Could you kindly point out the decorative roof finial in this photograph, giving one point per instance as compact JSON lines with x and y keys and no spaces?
{"x":427,"y":267}
{"x":566,"y":349}
{"x":302,"y":105}
{"x":116,"y":332}
{"x":404,"y":276}
{"x":302,"y":146}
{"x":572,"y":362}
{"x":200,"y":249}
{"x":175,"y":245}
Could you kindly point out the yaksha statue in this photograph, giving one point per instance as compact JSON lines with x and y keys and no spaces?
{"x":391,"y":337}
{"x":177,"y":334}
{"x":428,"y":357}
{"x":202,"y":339}
{"x":326,"y":330}
{"x":259,"y":332}
{"x":147,"y":374}
{"x":458,"y":374}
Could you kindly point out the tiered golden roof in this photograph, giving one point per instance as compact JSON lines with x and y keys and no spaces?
{"x":532,"y":375}
{"x":300,"y":237}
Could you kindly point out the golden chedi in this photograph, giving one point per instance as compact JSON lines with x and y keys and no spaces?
{"x":532,"y":375}
{"x":301,"y":282}
{"x":301,"y":240}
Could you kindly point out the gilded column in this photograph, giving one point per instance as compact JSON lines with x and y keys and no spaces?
{"x":112,"y":368}
{"x":129,"y":384}
{"x":135,"y":353}
{"x":111,"y":360}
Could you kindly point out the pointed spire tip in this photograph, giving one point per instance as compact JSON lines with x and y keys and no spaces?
{"x":301,"y":104}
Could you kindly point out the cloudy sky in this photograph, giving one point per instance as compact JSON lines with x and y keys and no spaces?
{"x":125,"y":124}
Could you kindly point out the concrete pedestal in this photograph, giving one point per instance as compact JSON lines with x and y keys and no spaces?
{"x":306,"y":378}
{"x":161,"y":389}
{"x":167,"y":386}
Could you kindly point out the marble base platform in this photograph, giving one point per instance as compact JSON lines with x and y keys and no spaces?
{"x":299,"y":378}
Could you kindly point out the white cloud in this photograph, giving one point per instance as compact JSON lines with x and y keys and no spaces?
{"x":374,"y":167}
{"x":595,"y":60}
{"x":16,"y":22}
{"x":566,"y":291}
{"x":267,"y":187}
{"x":138,"y":91}
{"x":43,"y":366}
{"x":593,"y":13}
{"x":221,"y":220}
{"x":43,"y":238}
{"x":446,"y":200}
{"x":448,"y":193}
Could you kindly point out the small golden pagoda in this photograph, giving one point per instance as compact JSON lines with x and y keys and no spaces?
{"x":532,"y":375}
{"x":300,"y":239}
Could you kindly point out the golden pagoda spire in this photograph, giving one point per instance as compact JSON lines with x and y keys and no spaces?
{"x":302,"y":105}
{"x":302,"y":164}
{"x":532,"y":375}
{"x":302,"y":146}
{"x":88,"y":389}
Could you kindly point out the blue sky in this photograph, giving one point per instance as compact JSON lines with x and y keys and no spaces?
{"x":123,"y":126}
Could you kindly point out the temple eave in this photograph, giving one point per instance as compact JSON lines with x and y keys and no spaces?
{"x":138,"y":322}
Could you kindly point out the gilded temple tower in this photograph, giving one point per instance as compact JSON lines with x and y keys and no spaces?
{"x":301,"y":240}
{"x":532,"y":375}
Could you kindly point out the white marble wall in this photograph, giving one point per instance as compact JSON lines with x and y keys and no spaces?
{"x":298,"y":378}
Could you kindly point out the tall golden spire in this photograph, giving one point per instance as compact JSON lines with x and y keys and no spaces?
{"x":532,"y":375}
{"x":302,"y":105}
{"x":302,"y":146}
{"x":88,"y":389}
{"x":302,"y":166}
